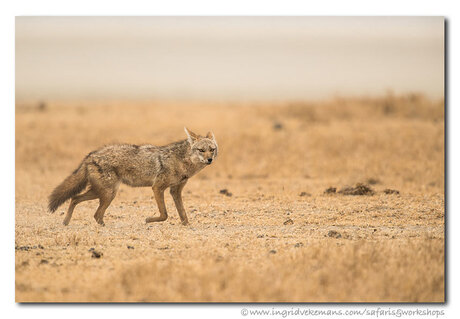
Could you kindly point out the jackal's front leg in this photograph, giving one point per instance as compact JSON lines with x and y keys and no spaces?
{"x":159,"y":194}
{"x":176,"y":192}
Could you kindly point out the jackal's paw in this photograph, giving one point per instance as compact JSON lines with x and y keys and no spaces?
{"x":185,"y":222}
{"x":100,"y":222}
{"x":65,"y":222}
{"x":155,"y":219}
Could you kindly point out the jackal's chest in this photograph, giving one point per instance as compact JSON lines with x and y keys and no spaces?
{"x":178,"y":175}
{"x":178,"y":179}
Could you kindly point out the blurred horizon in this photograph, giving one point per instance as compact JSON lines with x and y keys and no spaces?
{"x":227,"y":58}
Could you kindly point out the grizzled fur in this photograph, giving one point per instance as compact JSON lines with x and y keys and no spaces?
{"x":159,"y":167}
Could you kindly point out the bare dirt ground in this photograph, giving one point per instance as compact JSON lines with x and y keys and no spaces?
{"x":273,"y":236}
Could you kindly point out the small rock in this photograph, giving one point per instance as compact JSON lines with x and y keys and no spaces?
{"x":42,"y":106}
{"x":288,"y":222}
{"x":298,"y":245}
{"x":96,"y":254}
{"x":373,"y":181}
{"x":272,"y":251}
{"x":260,"y":236}
{"x":43,"y":261}
{"x":130,"y":247}
{"x":304,"y":194}
{"x":359,"y":189}
{"x":163,"y":248}
{"x":278,"y":126}
{"x":330,"y":190}
{"x":23,"y":248}
{"x":391,"y":191}
{"x":334,"y":234}
{"x":225,"y":192}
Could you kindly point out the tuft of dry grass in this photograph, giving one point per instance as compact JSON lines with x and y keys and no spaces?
{"x":265,"y":242}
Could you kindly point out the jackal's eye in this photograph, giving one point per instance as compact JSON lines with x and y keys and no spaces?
{"x":201,"y":150}
{"x":212,"y":149}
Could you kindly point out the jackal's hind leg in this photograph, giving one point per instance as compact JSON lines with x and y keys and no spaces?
{"x":105,"y":184}
{"x":89,"y":195}
{"x":159,"y":194}
{"x":104,"y":203}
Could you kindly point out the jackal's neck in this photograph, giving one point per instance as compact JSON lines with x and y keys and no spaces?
{"x":182,"y":149}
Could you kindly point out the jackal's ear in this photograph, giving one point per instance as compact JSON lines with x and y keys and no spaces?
{"x":210,"y":135}
{"x":191,"y":137}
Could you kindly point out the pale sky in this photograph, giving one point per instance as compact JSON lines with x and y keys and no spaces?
{"x":255,"y":58}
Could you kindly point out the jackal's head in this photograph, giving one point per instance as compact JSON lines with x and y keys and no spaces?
{"x":204,"y":149}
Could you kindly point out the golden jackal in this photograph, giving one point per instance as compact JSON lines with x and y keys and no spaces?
{"x":136,"y":165}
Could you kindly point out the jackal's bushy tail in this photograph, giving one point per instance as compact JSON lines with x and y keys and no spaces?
{"x":70,"y":187}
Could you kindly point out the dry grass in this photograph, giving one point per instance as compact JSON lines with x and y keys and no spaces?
{"x":263,"y":243}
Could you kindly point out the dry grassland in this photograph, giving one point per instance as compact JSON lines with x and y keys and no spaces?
{"x":278,"y":237}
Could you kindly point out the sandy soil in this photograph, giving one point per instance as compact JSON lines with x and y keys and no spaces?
{"x":277,"y":237}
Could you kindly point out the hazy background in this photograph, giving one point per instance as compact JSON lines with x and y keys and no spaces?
{"x":261,"y":58}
